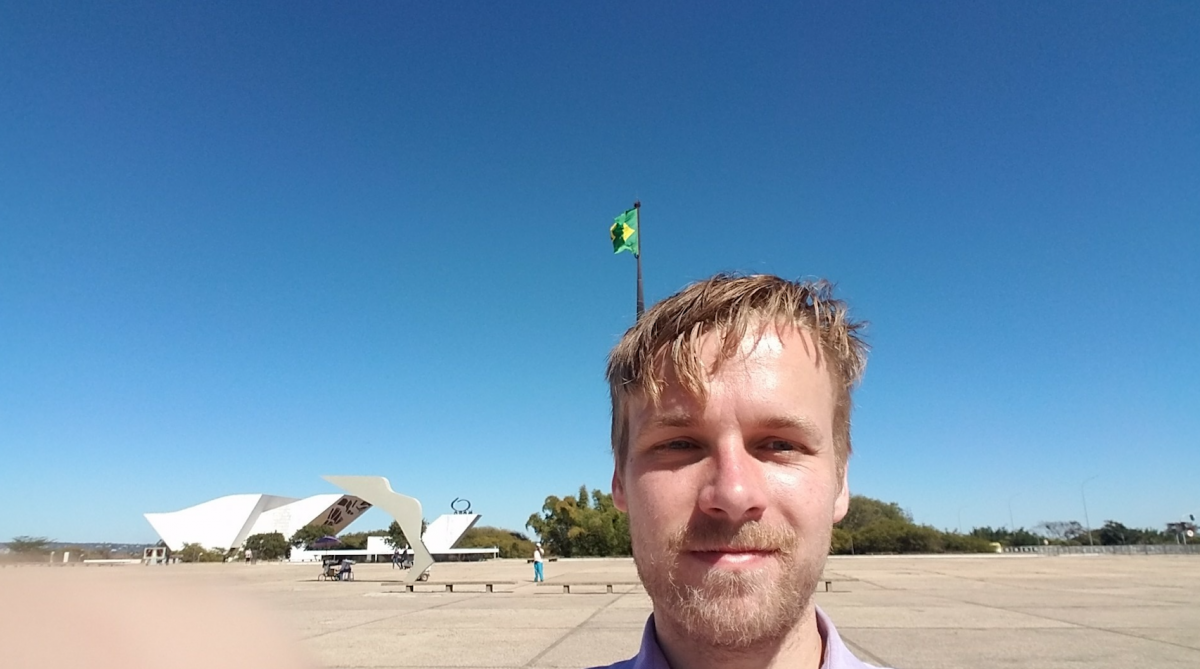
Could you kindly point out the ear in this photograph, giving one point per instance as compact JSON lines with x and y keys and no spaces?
{"x":618,"y":492}
{"x":842,"y":504}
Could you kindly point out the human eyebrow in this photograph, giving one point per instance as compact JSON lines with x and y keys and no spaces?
{"x":672,"y":419}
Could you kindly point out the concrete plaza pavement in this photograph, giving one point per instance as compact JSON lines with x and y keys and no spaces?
{"x":936,"y":612}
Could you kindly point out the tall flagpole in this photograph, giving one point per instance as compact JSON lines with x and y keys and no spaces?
{"x":641,"y":301}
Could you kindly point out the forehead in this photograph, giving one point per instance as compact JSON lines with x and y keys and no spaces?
{"x":776,"y":365}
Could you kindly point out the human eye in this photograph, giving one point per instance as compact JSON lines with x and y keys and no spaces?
{"x":677,"y":445}
{"x":780,"y":446}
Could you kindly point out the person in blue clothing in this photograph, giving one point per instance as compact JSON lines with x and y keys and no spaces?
{"x":538,"y":558}
{"x":731,"y":436}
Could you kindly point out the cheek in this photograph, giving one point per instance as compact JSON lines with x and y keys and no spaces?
{"x":807,"y":498}
{"x":652,"y":492}
{"x":659,"y":499}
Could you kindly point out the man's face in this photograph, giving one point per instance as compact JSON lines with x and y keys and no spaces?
{"x":731,"y":503}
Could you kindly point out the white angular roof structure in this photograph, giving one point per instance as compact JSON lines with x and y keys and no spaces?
{"x":446,"y":530}
{"x":225,"y":522}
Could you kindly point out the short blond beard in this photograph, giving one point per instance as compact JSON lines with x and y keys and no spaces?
{"x":705,"y":614}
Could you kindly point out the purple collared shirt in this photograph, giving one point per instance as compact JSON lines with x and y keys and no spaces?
{"x":837,"y":655}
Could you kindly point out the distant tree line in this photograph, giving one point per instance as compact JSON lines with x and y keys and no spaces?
{"x":28,"y":545}
{"x":589,"y":524}
{"x":873,"y":526}
{"x":198,"y":553}
{"x":511,"y":544}
{"x":30,"y":548}
{"x":1111,"y":533}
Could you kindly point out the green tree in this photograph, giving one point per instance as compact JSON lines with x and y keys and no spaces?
{"x":511,"y":544}
{"x":842,"y":542}
{"x":269,"y":546}
{"x":1064,"y":531}
{"x":587,"y":524}
{"x":29,"y":545}
{"x":864,"y":511}
{"x":893,"y":535}
{"x":190,"y":553}
{"x":358,"y":540}
{"x":1023,"y":537}
{"x":554,"y":524}
{"x":1113,"y":533}
{"x":1153,"y":536}
{"x":988,"y":533}
{"x":1006,"y":537}
{"x":310,"y":533}
{"x":198,"y":553}
{"x":953,"y":542}
{"x":395,"y":533}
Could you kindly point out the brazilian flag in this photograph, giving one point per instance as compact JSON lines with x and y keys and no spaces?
{"x":624,"y":232}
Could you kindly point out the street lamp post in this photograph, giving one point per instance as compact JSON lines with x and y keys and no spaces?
{"x":1012,"y":528}
{"x":1087,"y":521}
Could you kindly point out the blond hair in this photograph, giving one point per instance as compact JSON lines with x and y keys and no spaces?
{"x":731,"y":305}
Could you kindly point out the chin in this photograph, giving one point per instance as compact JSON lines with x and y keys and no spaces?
{"x":737,"y":620}
{"x":734,"y":606}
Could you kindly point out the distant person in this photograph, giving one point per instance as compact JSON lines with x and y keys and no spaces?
{"x":538,"y":575}
{"x":730,"y":435}
{"x":345,"y":570}
{"x":249,"y":556}
{"x":396,"y":563}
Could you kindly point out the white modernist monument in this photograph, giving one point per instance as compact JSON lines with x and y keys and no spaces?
{"x":225,"y":522}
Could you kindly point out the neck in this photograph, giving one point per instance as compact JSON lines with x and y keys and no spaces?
{"x":801,"y":647}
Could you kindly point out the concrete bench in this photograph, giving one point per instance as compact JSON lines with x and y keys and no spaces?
{"x":608,"y":585}
{"x":488,"y":586}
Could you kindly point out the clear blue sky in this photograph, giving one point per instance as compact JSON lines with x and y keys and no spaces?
{"x":244,"y":247}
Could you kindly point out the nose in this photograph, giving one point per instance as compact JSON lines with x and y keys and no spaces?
{"x":735,"y":489}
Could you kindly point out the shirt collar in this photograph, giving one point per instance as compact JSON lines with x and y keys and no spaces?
{"x":837,"y":655}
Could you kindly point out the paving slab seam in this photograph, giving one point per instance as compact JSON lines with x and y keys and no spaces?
{"x":1074,"y":624}
{"x":1038,"y":588}
{"x":1019,"y":586}
{"x":396,"y":615}
{"x":881,"y":586}
{"x":571,"y":631}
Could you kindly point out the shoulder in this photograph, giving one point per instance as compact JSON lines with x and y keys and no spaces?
{"x":837,"y":654}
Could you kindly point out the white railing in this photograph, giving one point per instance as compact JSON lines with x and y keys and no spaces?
{"x":1137,"y":549}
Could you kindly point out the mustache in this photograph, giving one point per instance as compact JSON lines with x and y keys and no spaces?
{"x":707,"y":533}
